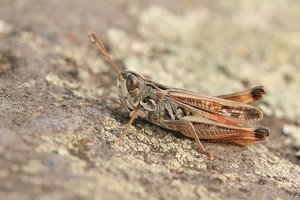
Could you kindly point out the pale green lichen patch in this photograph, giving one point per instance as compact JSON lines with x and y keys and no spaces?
{"x":5,"y":27}
{"x":33,"y":167}
{"x":293,"y":132}
{"x":202,"y":192}
{"x":277,"y":170}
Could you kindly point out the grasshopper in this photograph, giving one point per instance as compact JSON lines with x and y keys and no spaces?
{"x":197,"y":116}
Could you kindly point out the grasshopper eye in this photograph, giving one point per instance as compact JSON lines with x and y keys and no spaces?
{"x":131,"y":82}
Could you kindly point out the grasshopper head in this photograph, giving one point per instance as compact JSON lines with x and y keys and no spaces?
{"x":131,"y":89}
{"x":131,"y":85}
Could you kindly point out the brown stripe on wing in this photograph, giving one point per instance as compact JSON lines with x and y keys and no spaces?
{"x":237,"y":111}
{"x":221,"y":119}
{"x":195,"y":112}
{"x":214,"y":131}
{"x":247,"y":96}
{"x":260,"y":134}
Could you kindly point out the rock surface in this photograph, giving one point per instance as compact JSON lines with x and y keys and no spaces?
{"x":60,"y":114}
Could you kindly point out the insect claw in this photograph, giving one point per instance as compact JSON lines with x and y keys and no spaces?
{"x":209,"y":155}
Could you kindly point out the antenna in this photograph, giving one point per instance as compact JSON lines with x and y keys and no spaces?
{"x":102,"y":49}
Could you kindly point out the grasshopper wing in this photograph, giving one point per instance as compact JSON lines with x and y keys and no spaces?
{"x":236,"y":111}
{"x":247,"y":96}
{"x":215,"y":131}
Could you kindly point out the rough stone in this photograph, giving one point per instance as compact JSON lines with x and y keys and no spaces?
{"x":60,"y":115}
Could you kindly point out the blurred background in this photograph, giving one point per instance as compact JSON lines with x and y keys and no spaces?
{"x":59,"y":111}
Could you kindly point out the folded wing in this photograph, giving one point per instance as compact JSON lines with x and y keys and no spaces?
{"x":237,"y":111}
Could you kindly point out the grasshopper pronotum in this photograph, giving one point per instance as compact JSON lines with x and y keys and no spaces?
{"x":197,"y":116}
